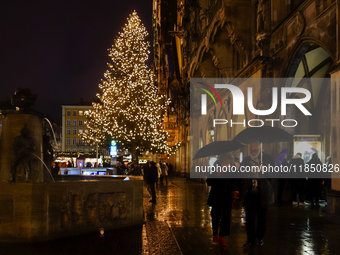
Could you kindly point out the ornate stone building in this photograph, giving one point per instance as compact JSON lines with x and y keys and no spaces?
{"x":250,"y":39}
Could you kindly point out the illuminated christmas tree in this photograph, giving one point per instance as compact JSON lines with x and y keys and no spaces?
{"x":129,"y":110}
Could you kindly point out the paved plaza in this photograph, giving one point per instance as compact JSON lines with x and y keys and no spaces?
{"x":179,"y":223}
{"x":290,"y":229}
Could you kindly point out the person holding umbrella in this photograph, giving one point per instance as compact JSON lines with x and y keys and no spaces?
{"x":258,"y":192}
{"x":258,"y":195}
{"x":220,"y":199}
{"x":221,"y":193}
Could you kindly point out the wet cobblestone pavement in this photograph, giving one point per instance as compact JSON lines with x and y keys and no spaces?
{"x":179,"y":223}
{"x":290,"y":229}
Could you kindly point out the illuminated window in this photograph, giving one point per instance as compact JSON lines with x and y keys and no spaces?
{"x":74,"y":131}
{"x":68,"y":113}
{"x":74,"y":122}
{"x":81,"y":113}
{"x":68,"y":122}
{"x":315,"y":63}
{"x":74,"y":113}
{"x":80,"y":122}
{"x":68,"y":131}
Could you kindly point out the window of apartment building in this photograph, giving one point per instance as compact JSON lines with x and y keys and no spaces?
{"x":68,"y":131}
{"x":86,"y":149}
{"x":81,"y":113}
{"x":74,"y":149}
{"x":68,"y":149}
{"x":80,"y":130}
{"x":74,"y":141}
{"x":80,"y":122}
{"x":74,"y":122}
{"x":68,"y":122}
{"x":80,"y":149}
{"x":80,"y":141}
{"x":74,"y":131}
{"x":68,"y":141}
{"x":74,"y":113}
{"x":68,"y":113}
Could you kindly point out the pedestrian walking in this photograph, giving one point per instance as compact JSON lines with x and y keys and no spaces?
{"x":56,"y":169}
{"x":171,"y":169}
{"x":298,"y":185}
{"x":282,"y":181}
{"x":120,"y":169}
{"x":220,"y":199}
{"x":164,"y":169}
{"x":159,"y":171}
{"x":314,"y":184}
{"x":135,"y":170}
{"x":258,"y":195}
{"x":151,"y":177}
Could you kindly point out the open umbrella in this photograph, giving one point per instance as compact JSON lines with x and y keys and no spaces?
{"x":217,"y":148}
{"x":264,"y":134}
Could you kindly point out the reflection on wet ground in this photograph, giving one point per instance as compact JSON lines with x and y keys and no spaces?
{"x":179,"y":223}
{"x":290,"y":229}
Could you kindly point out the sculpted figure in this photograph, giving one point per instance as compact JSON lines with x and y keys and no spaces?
{"x":24,"y":163}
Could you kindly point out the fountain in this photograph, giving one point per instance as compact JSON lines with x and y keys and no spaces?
{"x":37,"y":206}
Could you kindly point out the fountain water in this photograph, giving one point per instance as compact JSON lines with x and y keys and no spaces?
{"x":35,"y":208}
{"x":48,"y":170}
{"x":49,"y":122}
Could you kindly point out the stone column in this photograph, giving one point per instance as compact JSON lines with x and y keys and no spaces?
{"x":333,"y":197}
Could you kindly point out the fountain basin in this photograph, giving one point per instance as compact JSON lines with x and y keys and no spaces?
{"x":72,"y":205}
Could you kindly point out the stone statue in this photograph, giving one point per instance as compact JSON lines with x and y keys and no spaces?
{"x":23,"y":99}
{"x":263,"y":16}
{"x":24,"y":168}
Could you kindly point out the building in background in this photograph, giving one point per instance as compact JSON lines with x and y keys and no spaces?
{"x":170,"y":80}
{"x":73,"y":124}
{"x":251,"y":39}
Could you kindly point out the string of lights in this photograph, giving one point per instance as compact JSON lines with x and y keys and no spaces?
{"x":129,"y":110}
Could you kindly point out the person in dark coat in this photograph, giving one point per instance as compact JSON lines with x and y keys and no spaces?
{"x":120,"y":170}
{"x":55,"y":169}
{"x":135,"y":170}
{"x":258,"y":195}
{"x":151,"y":177}
{"x":282,"y":181}
{"x":314,"y":184}
{"x":171,"y":168}
{"x":298,"y":185}
{"x":220,"y":200}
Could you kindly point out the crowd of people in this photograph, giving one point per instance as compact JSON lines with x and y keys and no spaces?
{"x":256,"y":194}
{"x":312,"y":189}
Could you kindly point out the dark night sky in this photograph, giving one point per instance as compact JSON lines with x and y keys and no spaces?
{"x":59,"y":48}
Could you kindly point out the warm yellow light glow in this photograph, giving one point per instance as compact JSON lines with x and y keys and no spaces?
{"x":129,"y":109}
